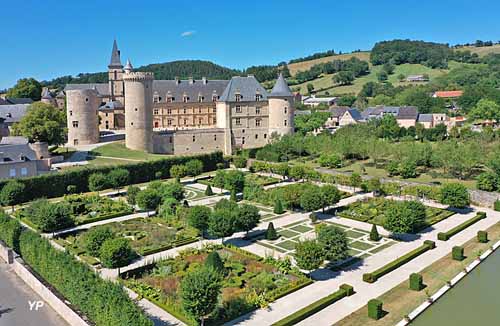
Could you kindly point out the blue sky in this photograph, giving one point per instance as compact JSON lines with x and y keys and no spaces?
{"x":46,"y":39}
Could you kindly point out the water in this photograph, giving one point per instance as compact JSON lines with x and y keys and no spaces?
{"x":473,"y":301}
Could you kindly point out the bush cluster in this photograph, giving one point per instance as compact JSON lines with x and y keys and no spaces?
{"x":445,"y":236}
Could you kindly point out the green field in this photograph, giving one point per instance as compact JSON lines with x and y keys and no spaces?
{"x":119,"y":150}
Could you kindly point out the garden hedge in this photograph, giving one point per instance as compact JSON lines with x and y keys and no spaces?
{"x":55,"y":184}
{"x":9,"y":231}
{"x":103,"y":302}
{"x":445,"y":236}
{"x":457,"y":253}
{"x":375,"y":275}
{"x":416,"y":282}
{"x":482,"y":236}
{"x":375,"y":310}
{"x":344,"y":291}
{"x":496,"y":206}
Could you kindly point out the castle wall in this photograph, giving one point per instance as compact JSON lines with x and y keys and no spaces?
{"x":82,"y":116}
{"x":281,"y":115}
{"x":188,"y":142}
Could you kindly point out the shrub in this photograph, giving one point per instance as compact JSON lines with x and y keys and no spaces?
{"x":278,"y":207}
{"x":487,"y":181}
{"x":214,"y":261}
{"x":208,"y":191}
{"x":116,"y":252}
{"x":313,"y":217}
{"x":95,"y":237}
{"x":12,"y":193}
{"x":404,"y":216}
{"x":333,"y":241}
{"x":444,"y":236}
{"x":194,"y":167}
{"x":374,"y":236}
{"x":71,"y":189}
{"x":455,"y":195}
{"x":118,"y":178}
{"x":496,"y":206}
{"x":148,"y":199}
{"x":271,"y":232}
{"x":10,"y":230}
{"x":375,"y":309}
{"x":98,"y":182}
{"x":309,"y":255}
{"x":457,"y":253}
{"x":132,"y":192}
{"x":482,"y":236}
{"x":49,"y":217}
{"x":178,"y":171}
{"x":240,"y":162}
{"x":416,"y":283}
{"x":311,"y":200}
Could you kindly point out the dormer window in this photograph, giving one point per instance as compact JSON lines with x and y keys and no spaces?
{"x":215,"y":98}
{"x":185,"y":98}
{"x":258,"y":97}
{"x":156,"y":98}
{"x":286,"y":110}
{"x":200,"y":98}
{"x":169,"y":97}
{"x":238,"y":97}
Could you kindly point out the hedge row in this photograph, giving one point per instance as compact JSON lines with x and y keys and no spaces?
{"x":344,"y":291}
{"x":174,"y":244}
{"x":375,"y":275}
{"x":9,"y":231}
{"x":103,"y":302}
{"x":55,"y":184}
{"x":445,"y":236}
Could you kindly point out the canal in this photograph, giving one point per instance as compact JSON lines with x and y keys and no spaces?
{"x":473,"y":301}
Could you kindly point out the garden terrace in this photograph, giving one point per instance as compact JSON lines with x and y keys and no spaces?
{"x":146,"y":236}
{"x":246,"y":278}
{"x":371,"y":210}
{"x":249,"y":178}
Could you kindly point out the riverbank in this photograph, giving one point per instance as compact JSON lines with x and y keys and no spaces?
{"x":400,"y":300}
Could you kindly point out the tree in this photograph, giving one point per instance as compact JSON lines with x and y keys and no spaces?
{"x":200,"y":290}
{"x":132,"y":192}
{"x":271,"y":232}
{"x":404,"y":217}
{"x":486,"y":109}
{"x":221,"y":223}
{"x":208,"y":191}
{"x":487,"y":181}
{"x":310,"y":88}
{"x":408,"y":169}
{"x":388,"y":68}
{"x":312,"y":199}
{"x":116,"y":252}
{"x":178,"y":171}
{"x":98,"y":182}
{"x":401,"y":77}
{"x":234,"y":181}
{"x":309,"y":255}
{"x":382,"y":76}
{"x":214,"y":261}
{"x":148,"y":199}
{"x":454,"y":195}
{"x":297,"y":172}
{"x":330,"y":160}
{"x":278,"y":207}
{"x":172,"y":188}
{"x":168,"y":207}
{"x":118,"y":178}
{"x":198,"y":217}
{"x":247,"y":218}
{"x":42,"y":123}
{"x":240,"y":162}
{"x":355,"y":180}
{"x":374,"y":236}
{"x":26,"y":88}
{"x":12,"y":193}
{"x":333,"y":241}
{"x":343,"y":78}
{"x":49,"y":217}
{"x":330,"y":195}
{"x":95,"y":237}
{"x":346,"y":100}
{"x":194,"y":168}
{"x":375,"y":186}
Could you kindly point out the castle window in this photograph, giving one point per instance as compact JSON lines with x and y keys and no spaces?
{"x":86,"y":99}
{"x":265,"y":136}
{"x":156,"y":98}
{"x":185,"y":110}
{"x":169,"y":111}
{"x":169,"y":122}
{"x":214,"y":110}
{"x":170,"y":139}
{"x":75,"y":124}
{"x":199,"y":110}
{"x":155,"y":111}
{"x":194,"y":138}
{"x":238,"y":121}
{"x":258,"y":97}
{"x":170,"y":99}
{"x":185,"y":99}
{"x":107,"y":124}
{"x":70,"y":113}
{"x":200,"y":120}
{"x":215,"y":137}
{"x":238,"y":108}
{"x":214,"y":98}
{"x":200,"y":99}
{"x":243,"y":140}
{"x":12,"y":172}
{"x":256,"y":136}
{"x":214,"y":120}
{"x":286,"y":110}
{"x":257,"y":122}
{"x":131,"y":123}
{"x":285,"y":122}
{"x":135,"y":109}
{"x":185,"y":121}
{"x":243,"y":131}
{"x":237,"y":97}
{"x":115,"y":75}
{"x":257,"y":110}
{"x":106,"y":113}
{"x":157,"y":124}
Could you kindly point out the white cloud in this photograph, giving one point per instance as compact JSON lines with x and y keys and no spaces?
{"x":187,"y":33}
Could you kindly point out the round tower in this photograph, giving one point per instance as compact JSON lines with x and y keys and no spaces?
{"x":281,"y":108}
{"x":83,"y":120}
{"x":139,"y":110}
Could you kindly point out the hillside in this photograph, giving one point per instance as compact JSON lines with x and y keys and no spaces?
{"x":483,"y":50}
{"x":306,"y":65}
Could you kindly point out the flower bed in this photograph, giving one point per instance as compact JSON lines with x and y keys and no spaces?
{"x":249,"y":282}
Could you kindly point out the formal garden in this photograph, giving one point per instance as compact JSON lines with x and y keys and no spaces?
{"x":243,"y":281}
{"x":220,"y":180}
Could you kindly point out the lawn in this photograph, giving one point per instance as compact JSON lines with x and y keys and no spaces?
{"x":400,"y":301}
{"x":146,"y":235}
{"x":245,"y":277}
{"x":371,"y":210}
{"x":118,"y":150}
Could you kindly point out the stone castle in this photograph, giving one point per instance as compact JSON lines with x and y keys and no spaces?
{"x":178,"y":116}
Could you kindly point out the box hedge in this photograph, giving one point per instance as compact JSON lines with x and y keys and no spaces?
{"x":9,"y":231}
{"x":445,"y":236}
{"x":482,"y":236}
{"x":375,"y":275}
{"x":496,"y":205}
{"x":375,"y":309}
{"x":344,"y":291}
{"x":416,"y":282}
{"x":457,"y":253}
{"x":56,"y":184}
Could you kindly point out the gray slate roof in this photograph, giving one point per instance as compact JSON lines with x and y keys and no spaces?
{"x":111,"y":106}
{"x":13,"y":112}
{"x":425,"y":117}
{"x":102,"y":88}
{"x":177,"y":89}
{"x":337,"y":112}
{"x":11,"y":100}
{"x":14,"y":140}
{"x":403,"y":112}
{"x":115,"y":57}
{"x":14,"y":153}
{"x":407,"y":112}
{"x":247,"y":88}
{"x":355,"y":114}
{"x":281,"y":88}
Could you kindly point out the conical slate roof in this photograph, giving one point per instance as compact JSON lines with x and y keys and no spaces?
{"x":115,"y":57}
{"x":46,"y":94}
{"x":128,"y":66}
{"x":281,"y":88}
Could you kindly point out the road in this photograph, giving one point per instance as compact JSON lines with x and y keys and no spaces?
{"x":15,"y":296}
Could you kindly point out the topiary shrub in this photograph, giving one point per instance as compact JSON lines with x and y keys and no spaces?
{"x":374,"y":236}
{"x":214,"y":261}
{"x":375,"y":309}
{"x":443,"y":236}
{"x":457,"y":253}
{"x":349,"y":290}
{"x":416,"y":282}
{"x":482,"y":236}
{"x":496,"y":206}
{"x":429,"y":243}
{"x":271,"y":232}
{"x":240,"y":162}
{"x":208,"y":191}
{"x":278,"y":207}
{"x":313,"y":217}
{"x":369,"y":278}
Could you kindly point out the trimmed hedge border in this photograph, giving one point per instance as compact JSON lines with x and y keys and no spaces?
{"x":445,"y":236}
{"x":375,"y":310}
{"x":457,"y":253}
{"x":375,"y":275}
{"x":55,"y":184}
{"x":169,"y":246}
{"x":345,"y":290}
{"x":416,"y":283}
{"x":482,"y":236}
{"x":103,"y":217}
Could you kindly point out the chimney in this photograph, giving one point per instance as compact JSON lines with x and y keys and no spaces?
{"x":204,"y":80}
{"x":191,"y":80}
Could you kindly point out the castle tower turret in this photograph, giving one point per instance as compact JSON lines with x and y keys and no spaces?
{"x":139,"y":111}
{"x":83,"y":121}
{"x":281,"y":108}
{"x":115,"y":75}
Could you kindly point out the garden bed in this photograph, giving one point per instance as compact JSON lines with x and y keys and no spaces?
{"x":249,"y":281}
{"x":249,"y":177}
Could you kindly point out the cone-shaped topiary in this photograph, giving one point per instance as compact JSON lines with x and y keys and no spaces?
{"x":374,"y":236}
{"x":271,"y":232}
{"x":214,"y":261}
{"x":208,"y":191}
{"x":233,"y":196}
{"x":278,"y":207}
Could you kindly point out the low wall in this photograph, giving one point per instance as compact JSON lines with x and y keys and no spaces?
{"x":24,"y":272}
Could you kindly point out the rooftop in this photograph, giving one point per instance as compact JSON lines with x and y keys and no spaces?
{"x":246,"y":87}
{"x":448,"y":94}
{"x":281,"y":88}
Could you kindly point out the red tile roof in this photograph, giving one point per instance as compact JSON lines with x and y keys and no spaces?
{"x":448,"y":93}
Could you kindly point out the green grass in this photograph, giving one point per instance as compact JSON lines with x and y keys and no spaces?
{"x":288,"y":233}
{"x":382,"y":247}
{"x":288,"y":245}
{"x":354,"y":234}
{"x":301,"y":228}
{"x":119,"y":150}
{"x":361,"y":245}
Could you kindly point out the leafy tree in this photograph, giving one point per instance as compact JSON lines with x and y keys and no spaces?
{"x":98,"y":182}
{"x":330,"y":195}
{"x":118,"y":178}
{"x":95,"y":237}
{"x":401,"y":77}
{"x":487,"y":181}
{"x":200,"y":290}
{"x":194,"y":168}
{"x":172,"y":188}
{"x":310,"y":88}
{"x":374,"y":185}
{"x":333,"y":241}
{"x":346,"y":100}
{"x":132,"y":192}
{"x":247,"y":218}
{"x":355,"y":180}
{"x":240,"y":162}
{"x":408,"y":169}
{"x":455,"y":195}
{"x":116,"y":252}
{"x":234,"y":181}
{"x":12,"y":193}
{"x":278,"y":207}
{"x":312,"y":199}
{"x":330,"y":160}
{"x":309,"y":255}
{"x":26,"y":88}
{"x":42,"y":123}
{"x":198,"y":217}
{"x":297,"y":172}
{"x":178,"y":171}
{"x":208,"y":191}
{"x":344,"y":78}
{"x":486,"y":109}
{"x":221,"y":223}
{"x":50,"y":217}
{"x":382,"y":76}
{"x":214,"y":261}
{"x":388,"y":68}
{"x":374,"y":236}
{"x":148,"y":199}
{"x":271,"y":232}
{"x":404,"y":217}
{"x":168,"y":207}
